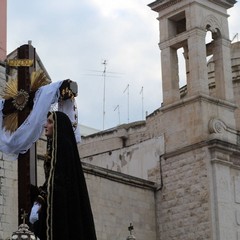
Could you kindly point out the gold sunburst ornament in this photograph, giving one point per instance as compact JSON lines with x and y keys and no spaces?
{"x":20,"y":98}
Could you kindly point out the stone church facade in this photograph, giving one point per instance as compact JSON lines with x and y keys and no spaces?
{"x":176,"y":175}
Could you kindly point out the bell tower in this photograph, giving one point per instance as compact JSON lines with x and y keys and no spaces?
{"x":3,"y":29}
{"x":184,"y":24}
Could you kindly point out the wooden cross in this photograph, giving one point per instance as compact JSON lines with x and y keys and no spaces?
{"x":27,"y":161}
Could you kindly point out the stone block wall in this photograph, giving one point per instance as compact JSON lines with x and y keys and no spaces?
{"x":8,"y":188}
{"x":8,"y":197}
{"x":183,"y":203}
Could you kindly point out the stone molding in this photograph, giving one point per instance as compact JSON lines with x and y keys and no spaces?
{"x":211,"y":144}
{"x":160,"y":5}
{"x":224,"y":3}
{"x":225,"y":153}
{"x":118,"y":177}
{"x":177,"y":41}
{"x":201,"y":98}
{"x":190,"y":100}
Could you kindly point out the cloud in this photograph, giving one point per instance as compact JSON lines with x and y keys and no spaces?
{"x":74,"y":37}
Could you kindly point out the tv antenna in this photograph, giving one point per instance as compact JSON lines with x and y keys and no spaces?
{"x":127,"y":89}
{"x":235,"y":37}
{"x":104,"y":73}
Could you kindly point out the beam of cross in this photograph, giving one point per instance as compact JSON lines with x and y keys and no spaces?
{"x":27,"y":161}
{"x":24,"y":161}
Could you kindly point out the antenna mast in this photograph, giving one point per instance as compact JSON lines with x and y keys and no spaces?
{"x":141,"y":92}
{"x":104,"y":91}
{"x":127,"y":89}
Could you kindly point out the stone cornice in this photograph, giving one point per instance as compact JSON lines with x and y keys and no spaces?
{"x":224,"y":3}
{"x":201,"y":97}
{"x":225,"y":153}
{"x":211,"y":144}
{"x":178,"y":41}
{"x":160,"y":5}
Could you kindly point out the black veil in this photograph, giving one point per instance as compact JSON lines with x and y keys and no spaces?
{"x":69,"y":214}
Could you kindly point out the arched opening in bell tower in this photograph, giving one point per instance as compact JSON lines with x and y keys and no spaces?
{"x":217,"y":65}
{"x":210,"y":62}
{"x":209,"y":42}
{"x":182,"y":67}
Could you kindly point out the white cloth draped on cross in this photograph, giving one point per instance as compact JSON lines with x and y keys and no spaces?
{"x":29,"y":132}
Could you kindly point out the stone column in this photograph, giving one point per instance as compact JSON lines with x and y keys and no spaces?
{"x":223,"y":71}
{"x":198,"y":78}
{"x":170,"y":78}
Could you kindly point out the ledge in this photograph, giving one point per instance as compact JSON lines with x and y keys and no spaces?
{"x":118,"y":177}
{"x":213,"y":143}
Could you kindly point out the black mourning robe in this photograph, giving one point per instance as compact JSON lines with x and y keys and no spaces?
{"x":66,"y":213}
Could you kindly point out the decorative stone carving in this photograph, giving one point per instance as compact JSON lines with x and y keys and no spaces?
{"x":211,"y":23}
{"x":216,"y":126}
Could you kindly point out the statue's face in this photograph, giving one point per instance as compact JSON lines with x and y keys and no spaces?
{"x":49,"y":126}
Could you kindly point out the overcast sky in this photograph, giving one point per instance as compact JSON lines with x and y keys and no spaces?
{"x":73,"y":39}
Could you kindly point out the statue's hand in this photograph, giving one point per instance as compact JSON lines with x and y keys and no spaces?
{"x":34,"y":212}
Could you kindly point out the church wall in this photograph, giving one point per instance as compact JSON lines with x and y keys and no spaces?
{"x":115,"y":205}
{"x":185,"y":200}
